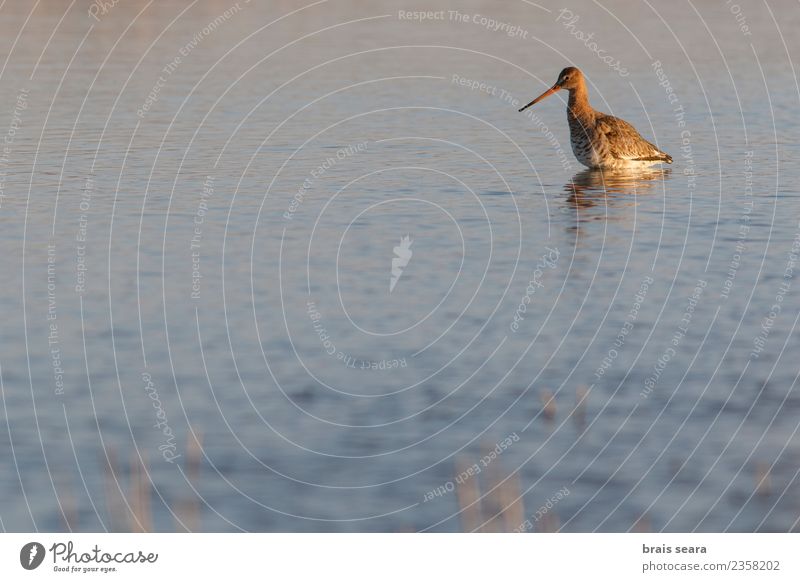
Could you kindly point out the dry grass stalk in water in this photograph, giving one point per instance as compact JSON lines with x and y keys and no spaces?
{"x":115,"y":500}
{"x":141,"y":515}
{"x":643,"y":524}
{"x":579,"y":413}
{"x":549,"y":523}
{"x":67,"y":504}
{"x":763,"y":480}
{"x":500,"y":510}
{"x":134,"y":513}
{"x":548,"y":400}
{"x":188,"y":511}
{"x":469,"y":500}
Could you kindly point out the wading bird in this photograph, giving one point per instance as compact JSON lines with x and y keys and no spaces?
{"x":600,"y":140}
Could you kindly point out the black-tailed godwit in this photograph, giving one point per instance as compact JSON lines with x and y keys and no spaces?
{"x":600,"y":140}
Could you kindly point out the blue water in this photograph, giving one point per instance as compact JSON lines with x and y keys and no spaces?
{"x":220,"y":232}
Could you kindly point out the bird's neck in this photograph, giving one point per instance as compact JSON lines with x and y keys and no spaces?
{"x":579,"y":102}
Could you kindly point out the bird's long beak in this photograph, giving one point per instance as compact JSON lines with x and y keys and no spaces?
{"x":554,"y":89}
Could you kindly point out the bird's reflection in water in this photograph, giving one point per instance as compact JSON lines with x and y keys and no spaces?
{"x":591,"y":193}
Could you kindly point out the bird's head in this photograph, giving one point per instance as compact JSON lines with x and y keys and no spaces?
{"x":570,"y":79}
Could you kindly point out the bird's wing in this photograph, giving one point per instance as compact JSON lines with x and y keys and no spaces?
{"x":625,"y":142}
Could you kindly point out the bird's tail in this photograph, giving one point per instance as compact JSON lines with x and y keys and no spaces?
{"x":661,"y":157}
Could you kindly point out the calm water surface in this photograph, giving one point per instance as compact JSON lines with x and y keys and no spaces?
{"x":204,"y":206}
